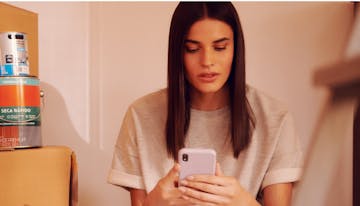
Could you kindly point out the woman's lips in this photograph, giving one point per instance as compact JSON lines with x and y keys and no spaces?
{"x":208,"y":77}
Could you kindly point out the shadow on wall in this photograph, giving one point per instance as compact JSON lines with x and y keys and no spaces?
{"x":93,"y":164}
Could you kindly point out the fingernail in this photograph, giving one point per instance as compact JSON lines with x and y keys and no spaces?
{"x":183,"y":182}
{"x":182,"y":189}
{"x":190,"y":177}
{"x":177,"y":167}
{"x":185,"y":197}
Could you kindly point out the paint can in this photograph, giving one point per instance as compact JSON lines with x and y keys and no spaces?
{"x":20,"y":124}
{"x":14,"y":54}
{"x":0,"y":61}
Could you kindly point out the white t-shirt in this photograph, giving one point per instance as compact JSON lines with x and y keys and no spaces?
{"x":273,"y":156}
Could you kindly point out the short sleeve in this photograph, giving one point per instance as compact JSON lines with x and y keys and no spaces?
{"x":125,"y":170}
{"x":286,"y":162}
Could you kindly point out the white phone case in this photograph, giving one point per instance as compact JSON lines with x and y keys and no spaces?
{"x":196,"y":161}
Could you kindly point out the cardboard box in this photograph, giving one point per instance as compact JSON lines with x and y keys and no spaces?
{"x":45,"y":176}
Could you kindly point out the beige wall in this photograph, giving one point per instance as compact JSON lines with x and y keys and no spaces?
{"x":96,"y":58}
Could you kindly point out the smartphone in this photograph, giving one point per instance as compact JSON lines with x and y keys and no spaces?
{"x":196,"y":161}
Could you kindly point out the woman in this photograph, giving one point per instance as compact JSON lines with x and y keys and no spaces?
{"x":208,"y":105}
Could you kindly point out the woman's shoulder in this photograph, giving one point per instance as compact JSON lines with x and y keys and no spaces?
{"x":153,"y":101}
{"x":264,"y":104}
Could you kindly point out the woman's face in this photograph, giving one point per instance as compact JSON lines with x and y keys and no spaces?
{"x":209,"y":50}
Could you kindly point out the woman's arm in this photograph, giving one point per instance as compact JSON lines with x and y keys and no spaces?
{"x":278,"y":194}
{"x":165,"y":192}
{"x":137,"y":197}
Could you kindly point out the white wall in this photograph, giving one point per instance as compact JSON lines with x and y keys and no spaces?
{"x":131,"y":57}
{"x":96,"y":58}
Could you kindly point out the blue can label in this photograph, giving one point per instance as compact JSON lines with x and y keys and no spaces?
{"x":13,"y":54}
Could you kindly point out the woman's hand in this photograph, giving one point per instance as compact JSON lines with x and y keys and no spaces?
{"x":215,"y":190}
{"x":166,"y":192}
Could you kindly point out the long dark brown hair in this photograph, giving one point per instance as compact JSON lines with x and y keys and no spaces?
{"x":178,"y":116}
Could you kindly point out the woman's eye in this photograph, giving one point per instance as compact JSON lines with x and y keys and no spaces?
{"x":220,"y":48}
{"x":191,"y":49}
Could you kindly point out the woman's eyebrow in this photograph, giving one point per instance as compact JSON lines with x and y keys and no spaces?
{"x":215,"y":42}
{"x":192,"y":41}
{"x":221,"y":40}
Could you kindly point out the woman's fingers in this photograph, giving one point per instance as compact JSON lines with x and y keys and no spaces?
{"x":179,"y":202}
{"x":210,"y":179}
{"x":194,"y":201}
{"x":220,"y":186}
{"x":218,"y":171}
{"x":173,"y":174}
{"x":165,"y":192}
{"x":205,"y":187}
{"x":196,"y":197}
{"x":209,"y":190}
{"x":171,"y":177}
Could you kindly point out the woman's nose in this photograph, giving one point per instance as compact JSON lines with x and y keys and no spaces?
{"x":207,"y":58}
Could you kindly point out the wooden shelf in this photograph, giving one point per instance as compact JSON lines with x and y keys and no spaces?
{"x":339,"y":75}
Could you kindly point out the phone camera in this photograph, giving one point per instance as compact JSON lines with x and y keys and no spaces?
{"x":185,"y":157}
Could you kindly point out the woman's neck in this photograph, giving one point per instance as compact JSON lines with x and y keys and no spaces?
{"x":209,"y":101}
